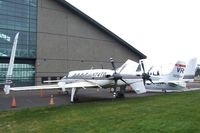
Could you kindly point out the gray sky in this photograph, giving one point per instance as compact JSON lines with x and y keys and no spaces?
{"x":164,"y":30}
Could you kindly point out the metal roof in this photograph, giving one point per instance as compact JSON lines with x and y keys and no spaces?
{"x":100,"y":27}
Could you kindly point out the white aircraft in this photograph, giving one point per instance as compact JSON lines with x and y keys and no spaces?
{"x":95,"y":78}
{"x":172,"y":81}
{"x":11,"y":62}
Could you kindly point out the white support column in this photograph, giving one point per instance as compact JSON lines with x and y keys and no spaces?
{"x":73,"y":92}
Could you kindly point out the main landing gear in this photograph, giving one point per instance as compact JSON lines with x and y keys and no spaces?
{"x":120,"y":93}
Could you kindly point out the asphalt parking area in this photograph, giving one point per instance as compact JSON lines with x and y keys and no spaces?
{"x":27,"y":99}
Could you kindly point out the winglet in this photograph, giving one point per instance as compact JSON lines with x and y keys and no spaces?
{"x":11,"y":65}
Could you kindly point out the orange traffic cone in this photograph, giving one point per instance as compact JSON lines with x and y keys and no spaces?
{"x":41,"y":93}
{"x":51,"y":102}
{"x":13,"y":104}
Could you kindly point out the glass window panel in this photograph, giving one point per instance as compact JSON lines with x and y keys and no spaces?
{"x":26,"y":43}
{"x":24,"y":2}
{"x":18,"y":16}
{"x":23,"y":74}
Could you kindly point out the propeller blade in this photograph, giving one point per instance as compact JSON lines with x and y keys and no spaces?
{"x":145,"y":77}
{"x":113,"y":65}
{"x":144,"y":81}
{"x":115,"y":85}
{"x":150,"y":69}
{"x":151,"y":80}
{"x":143,"y":66}
{"x":124,"y":81}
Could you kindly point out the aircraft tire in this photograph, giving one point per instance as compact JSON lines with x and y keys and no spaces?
{"x":164,"y":90}
{"x":76,"y":99}
{"x":120,"y":95}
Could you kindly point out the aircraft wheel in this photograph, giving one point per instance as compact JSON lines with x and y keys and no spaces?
{"x":164,"y":90}
{"x":120,"y":95}
{"x":76,"y":99}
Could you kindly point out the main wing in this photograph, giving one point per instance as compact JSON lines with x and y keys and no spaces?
{"x":81,"y":84}
{"x":45,"y":87}
{"x":77,"y":84}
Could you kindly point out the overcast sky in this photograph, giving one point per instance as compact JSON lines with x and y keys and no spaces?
{"x":164,"y":30}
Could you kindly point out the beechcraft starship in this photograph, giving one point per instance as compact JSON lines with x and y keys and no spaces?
{"x":94,"y":78}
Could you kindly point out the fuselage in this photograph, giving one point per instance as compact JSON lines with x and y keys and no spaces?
{"x":169,"y":86}
{"x":101,"y":77}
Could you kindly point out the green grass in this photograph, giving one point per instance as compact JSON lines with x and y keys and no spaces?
{"x":165,"y":113}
